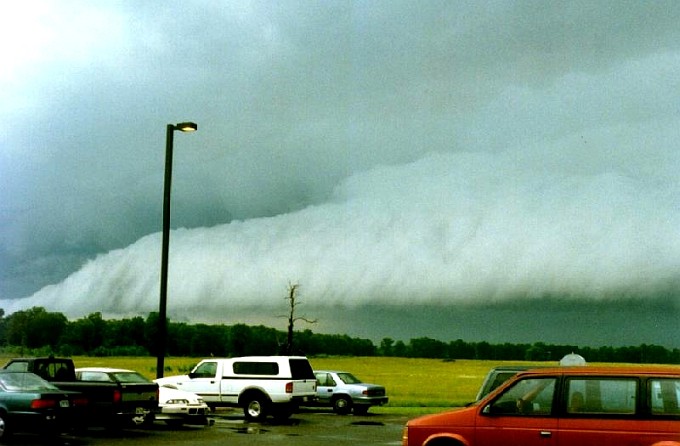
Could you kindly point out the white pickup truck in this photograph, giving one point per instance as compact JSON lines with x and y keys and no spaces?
{"x":261,"y":385}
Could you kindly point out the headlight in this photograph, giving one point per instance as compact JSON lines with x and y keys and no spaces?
{"x":177,"y":402}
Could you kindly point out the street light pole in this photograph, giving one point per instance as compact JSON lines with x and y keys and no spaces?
{"x":163,"y":305}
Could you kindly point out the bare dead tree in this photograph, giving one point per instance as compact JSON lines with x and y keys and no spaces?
{"x":293,"y":289}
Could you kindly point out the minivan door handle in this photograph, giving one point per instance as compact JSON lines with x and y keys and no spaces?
{"x":546,"y":434}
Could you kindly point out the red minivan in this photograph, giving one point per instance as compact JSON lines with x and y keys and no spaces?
{"x":568,"y":406}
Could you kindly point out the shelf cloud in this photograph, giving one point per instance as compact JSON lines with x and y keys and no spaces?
{"x":478,"y":165}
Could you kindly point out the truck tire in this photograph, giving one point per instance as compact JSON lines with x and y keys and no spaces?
{"x":342,"y":404}
{"x":255,"y":406}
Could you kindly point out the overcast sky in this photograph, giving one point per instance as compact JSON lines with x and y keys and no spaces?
{"x":434,"y":168}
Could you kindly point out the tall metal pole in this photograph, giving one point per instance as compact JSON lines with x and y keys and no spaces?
{"x":163,"y":305}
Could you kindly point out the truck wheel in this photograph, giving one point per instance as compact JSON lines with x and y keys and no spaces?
{"x":255,"y":406}
{"x":342,"y":405}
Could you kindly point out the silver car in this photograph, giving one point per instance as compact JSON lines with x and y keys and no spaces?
{"x":345,"y":392}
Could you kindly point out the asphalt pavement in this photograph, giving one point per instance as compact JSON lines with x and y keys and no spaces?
{"x":308,"y":428}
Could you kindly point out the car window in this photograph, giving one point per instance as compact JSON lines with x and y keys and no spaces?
{"x":601,"y":396}
{"x":526,"y":397}
{"x":94,"y":376}
{"x":665,"y":396}
{"x":348,"y":378}
{"x":325,"y":379}
{"x":130,"y":377}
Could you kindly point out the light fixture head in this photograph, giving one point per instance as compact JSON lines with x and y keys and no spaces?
{"x":186,"y":127}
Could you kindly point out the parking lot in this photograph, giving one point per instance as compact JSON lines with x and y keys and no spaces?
{"x":308,"y":428}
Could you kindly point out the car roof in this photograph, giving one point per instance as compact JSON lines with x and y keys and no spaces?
{"x":255,"y":358}
{"x":103,"y":370}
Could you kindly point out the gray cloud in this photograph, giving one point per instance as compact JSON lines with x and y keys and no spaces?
{"x":371,"y":150}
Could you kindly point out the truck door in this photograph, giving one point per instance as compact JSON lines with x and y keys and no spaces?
{"x":204,"y":380}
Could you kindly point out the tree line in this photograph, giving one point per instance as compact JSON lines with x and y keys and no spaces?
{"x":37,"y":331}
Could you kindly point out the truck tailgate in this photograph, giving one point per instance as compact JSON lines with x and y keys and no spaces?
{"x":304,"y":387}
{"x":139,"y":394}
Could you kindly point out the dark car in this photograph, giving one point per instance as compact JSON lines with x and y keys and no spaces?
{"x":30,"y":404}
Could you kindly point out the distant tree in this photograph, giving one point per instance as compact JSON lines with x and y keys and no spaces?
{"x":3,"y":327}
{"x":427,"y":348}
{"x":240,"y":340}
{"x":181,"y":339}
{"x":483,"y":350}
{"x":460,"y":349}
{"x":125,"y":332}
{"x":386,"y":346}
{"x":209,"y":340}
{"x":292,"y":319}
{"x":35,"y":327}
{"x":266,"y":339}
{"x":400,"y":350}
{"x":151,"y":332}
{"x":537,"y":352}
{"x":40,"y":331}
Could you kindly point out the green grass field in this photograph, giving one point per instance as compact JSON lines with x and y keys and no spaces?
{"x":413,"y":385}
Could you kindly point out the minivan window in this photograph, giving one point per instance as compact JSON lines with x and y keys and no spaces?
{"x":665,"y":396}
{"x":601,"y":396}
{"x":532,"y":396}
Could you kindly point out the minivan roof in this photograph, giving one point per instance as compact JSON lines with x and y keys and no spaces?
{"x":604,"y":370}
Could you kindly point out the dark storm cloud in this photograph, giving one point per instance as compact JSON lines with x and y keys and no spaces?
{"x":433,"y":151}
